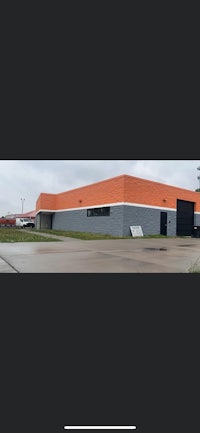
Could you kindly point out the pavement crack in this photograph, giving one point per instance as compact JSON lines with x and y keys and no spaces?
{"x":9,"y":264}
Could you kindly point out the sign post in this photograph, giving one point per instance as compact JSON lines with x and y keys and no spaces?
{"x":136,"y":231}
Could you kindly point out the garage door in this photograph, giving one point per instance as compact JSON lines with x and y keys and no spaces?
{"x":185,"y":218}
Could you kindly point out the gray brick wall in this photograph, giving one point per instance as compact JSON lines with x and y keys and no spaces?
{"x":118,"y":223}
{"x":77,"y":220}
{"x":148,"y":219}
{"x":197,"y":220}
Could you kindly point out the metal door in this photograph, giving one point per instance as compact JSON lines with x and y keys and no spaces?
{"x":185,"y":218}
{"x":163,"y":223}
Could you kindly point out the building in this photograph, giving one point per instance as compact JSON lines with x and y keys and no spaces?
{"x":30,"y":215}
{"x":113,"y":205}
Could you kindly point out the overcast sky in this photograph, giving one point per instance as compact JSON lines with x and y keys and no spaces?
{"x":26,"y":179}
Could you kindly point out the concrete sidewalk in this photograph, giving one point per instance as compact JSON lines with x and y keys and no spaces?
{"x":164,"y":255}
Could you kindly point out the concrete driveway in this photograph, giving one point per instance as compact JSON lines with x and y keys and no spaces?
{"x":164,"y":255}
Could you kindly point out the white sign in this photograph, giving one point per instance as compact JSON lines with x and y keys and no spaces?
{"x":136,"y":231}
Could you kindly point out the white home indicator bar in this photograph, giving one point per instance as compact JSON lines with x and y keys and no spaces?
{"x":102,"y":427}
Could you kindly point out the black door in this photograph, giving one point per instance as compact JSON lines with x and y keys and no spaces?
{"x":185,"y":218}
{"x":163,"y":223}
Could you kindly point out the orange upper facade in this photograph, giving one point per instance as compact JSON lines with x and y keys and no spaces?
{"x":120,"y":189}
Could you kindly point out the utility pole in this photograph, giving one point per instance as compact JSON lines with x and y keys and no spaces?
{"x":22,"y":199}
{"x":198,"y":177}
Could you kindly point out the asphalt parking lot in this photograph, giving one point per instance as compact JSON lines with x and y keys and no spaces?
{"x":164,"y":255}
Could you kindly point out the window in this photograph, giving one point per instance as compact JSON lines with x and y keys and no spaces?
{"x":101,"y":211}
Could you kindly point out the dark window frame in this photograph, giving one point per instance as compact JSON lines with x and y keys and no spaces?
{"x":98,"y":212}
